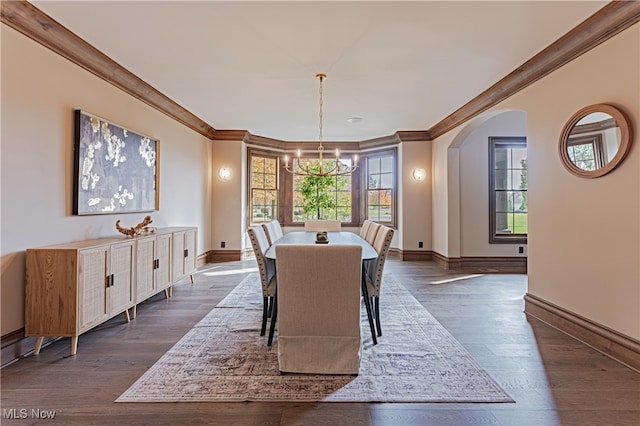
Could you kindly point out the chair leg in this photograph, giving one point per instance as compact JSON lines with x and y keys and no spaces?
{"x":367,"y":304}
{"x":274,"y":316}
{"x":265,"y":309}
{"x":377,"y":309}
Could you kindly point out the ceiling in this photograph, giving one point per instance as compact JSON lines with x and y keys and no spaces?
{"x":399,"y":66}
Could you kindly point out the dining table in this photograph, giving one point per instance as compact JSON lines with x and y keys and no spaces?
{"x":333,"y":238}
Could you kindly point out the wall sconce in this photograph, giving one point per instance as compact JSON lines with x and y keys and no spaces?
{"x":419,"y":174}
{"x":224,"y":173}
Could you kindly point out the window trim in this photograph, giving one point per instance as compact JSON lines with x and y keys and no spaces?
{"x":351,"y":190}
{"x":358,"y":187}
{"x":494,"y":238}
{"x":597,"y":145}
{"x":393,"y":152}
{"x":287,"y":193}
{"x":268,"y":154}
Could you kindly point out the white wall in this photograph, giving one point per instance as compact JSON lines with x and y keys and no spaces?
{"x":40,"y":91}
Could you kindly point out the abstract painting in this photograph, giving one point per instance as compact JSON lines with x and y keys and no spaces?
{"x":115,"y":168}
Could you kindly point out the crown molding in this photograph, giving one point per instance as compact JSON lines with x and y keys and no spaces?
{"x":230,"y":135}
{"x":599,"y":27}
{"x":27,"y":19}
{"x":414,"y":135}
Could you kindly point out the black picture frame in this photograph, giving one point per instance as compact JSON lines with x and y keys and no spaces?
{"x":115,"y":168}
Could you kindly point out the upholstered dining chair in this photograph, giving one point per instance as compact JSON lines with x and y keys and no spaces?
{"x":365,"y":227}
{"x":371,"y":232}
{"x":267,"y":270}
{"x":318,"y":308}
{"x":273,"y":230}
{"x":374,"y":269}
{"x":322,"y":225}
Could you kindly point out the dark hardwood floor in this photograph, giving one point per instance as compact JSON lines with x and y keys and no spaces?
{"x":554,"y":379}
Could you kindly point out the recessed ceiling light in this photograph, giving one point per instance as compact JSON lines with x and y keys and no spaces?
{"x":354,"y":119}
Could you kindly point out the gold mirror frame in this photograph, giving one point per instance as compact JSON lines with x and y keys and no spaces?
{"x":626,"y":135}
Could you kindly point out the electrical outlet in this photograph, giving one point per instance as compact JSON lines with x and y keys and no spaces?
{"x":420,"y":244}
{"x":520,"y":249}
{"x":222,"y":244}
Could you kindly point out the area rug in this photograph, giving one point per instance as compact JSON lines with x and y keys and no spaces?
{"x":224,"y":358}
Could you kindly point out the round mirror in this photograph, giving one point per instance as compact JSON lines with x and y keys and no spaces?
{"x":595,"y":140}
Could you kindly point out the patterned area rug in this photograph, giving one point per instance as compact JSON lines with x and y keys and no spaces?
{"x":224,"y":358}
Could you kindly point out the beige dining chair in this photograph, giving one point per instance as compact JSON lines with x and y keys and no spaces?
{"x":374,"y":269}
{"x":365,"y":227}
{"x":371,"y":232}
{"x":322,"y":225}
{"x":267,"y":270}
{"x":318,"y":308}
{"x":273,"y":230}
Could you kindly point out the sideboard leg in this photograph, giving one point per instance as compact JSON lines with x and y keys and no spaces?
{"x":36,"y":351}
{"x":127,"y":318}
{"x":74,"y":345}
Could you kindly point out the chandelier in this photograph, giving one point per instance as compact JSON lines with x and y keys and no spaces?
{"x":339,"y":169}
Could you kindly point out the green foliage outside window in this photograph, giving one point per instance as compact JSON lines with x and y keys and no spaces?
{"x":322,"y":197}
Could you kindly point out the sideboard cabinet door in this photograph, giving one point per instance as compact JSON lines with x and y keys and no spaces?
{"x":93,"y":281}
{"x":145,"y":268}
{"x":163,"y":258}
{"x":153,"y":267}
{"x":121,"y":291}
{"x":184,"y":253}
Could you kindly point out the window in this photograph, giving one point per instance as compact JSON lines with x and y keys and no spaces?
{"x":507,"y":190}
{"x":264,"y":188}
{"x":587,"y":152}
{"x":322,"y":197}
{"x":380,"y":184}
{"x":369,"y":192}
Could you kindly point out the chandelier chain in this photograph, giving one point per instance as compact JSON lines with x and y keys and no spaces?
{"x":320,"y":77}
{"x":339,"y":169}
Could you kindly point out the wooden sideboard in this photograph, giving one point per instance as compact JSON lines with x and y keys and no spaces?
{"x":73,"y":287}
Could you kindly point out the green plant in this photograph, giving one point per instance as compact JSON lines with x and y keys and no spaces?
{"x":315,"y":194}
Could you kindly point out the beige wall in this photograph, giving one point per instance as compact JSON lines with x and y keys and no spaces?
{"x":229,"y":199}
{"x":584,"y":249}
{"x":440,"y":194}
{"x":414,"y":198}
{"x":474,"y":185}
{"x":584,"y":234}
{"x":40,"y":91}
